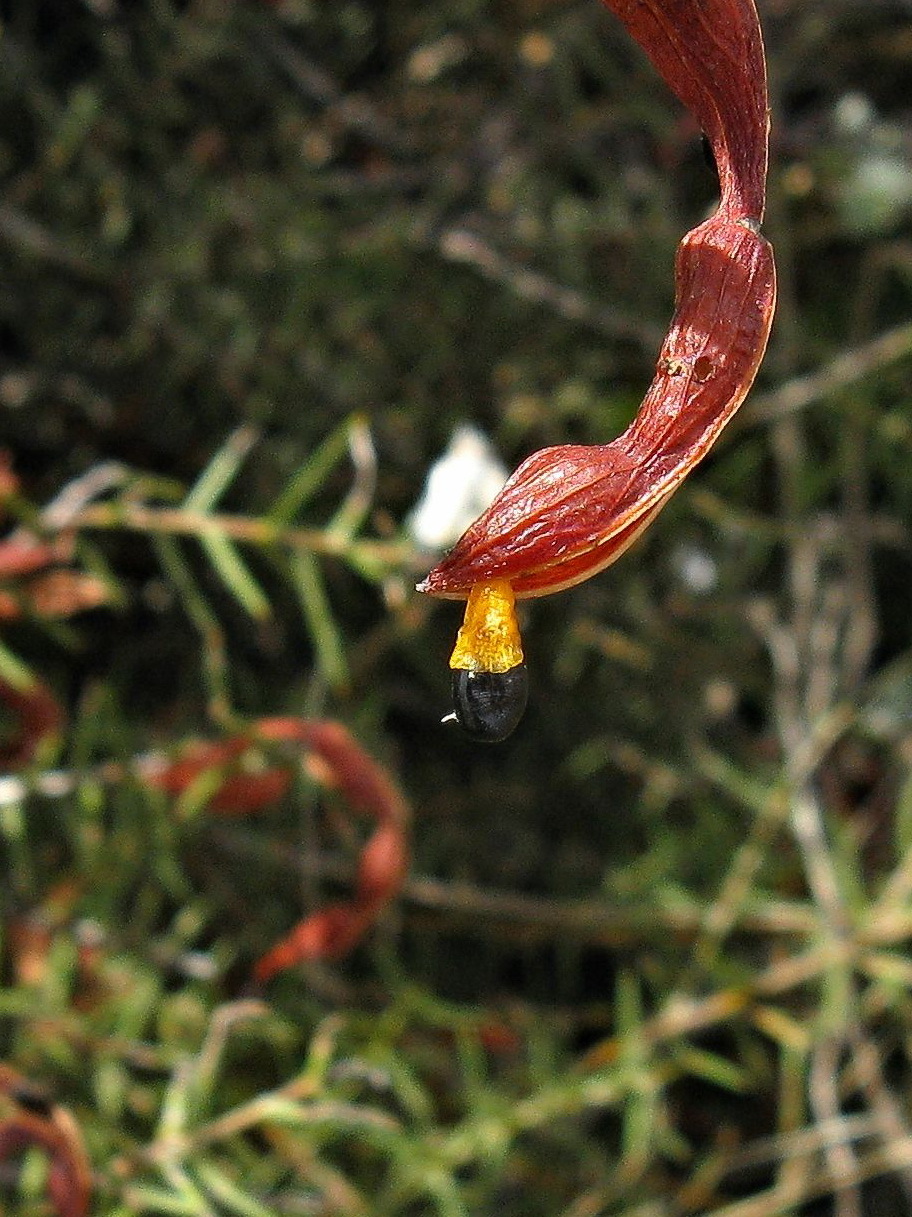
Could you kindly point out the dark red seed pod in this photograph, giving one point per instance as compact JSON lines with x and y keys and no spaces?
{"x":569,"y":511}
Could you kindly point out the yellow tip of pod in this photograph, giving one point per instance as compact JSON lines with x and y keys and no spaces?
{"x":488,"y":640}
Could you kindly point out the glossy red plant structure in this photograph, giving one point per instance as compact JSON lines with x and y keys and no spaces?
{"x":569,"y":511}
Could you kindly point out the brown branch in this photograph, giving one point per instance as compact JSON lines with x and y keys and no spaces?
{"x":842,"y":372}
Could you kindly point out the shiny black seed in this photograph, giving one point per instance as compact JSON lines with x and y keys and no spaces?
{"x":489,"y":705}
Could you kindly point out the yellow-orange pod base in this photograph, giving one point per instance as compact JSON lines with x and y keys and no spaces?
{"x":488,"y":640}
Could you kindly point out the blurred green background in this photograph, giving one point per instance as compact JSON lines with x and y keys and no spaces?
{"x":651,"y":956}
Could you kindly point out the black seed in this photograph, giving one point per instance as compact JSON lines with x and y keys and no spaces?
{"x":489,"y":705}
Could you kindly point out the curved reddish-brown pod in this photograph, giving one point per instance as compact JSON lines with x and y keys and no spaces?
{"x":237,"y":792}
{"x":40,"y":717}
{"x":333,"y":931}
{"x":23,"y":554}
{"x":710,"y":52}
{"x":54,"y":1131}
{"x":568,"y":511}
{"x":338,"y":761}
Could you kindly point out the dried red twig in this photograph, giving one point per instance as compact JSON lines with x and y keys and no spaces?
{"x":32,"y":1122}
{"x":336,"y":760}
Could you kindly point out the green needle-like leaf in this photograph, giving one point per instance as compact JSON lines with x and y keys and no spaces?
{"x":221,"y":471}
{"x":235,"y":574}
{"x":226,"y":1192}
{"x":308,"y":583}
{"x":308,"y":479}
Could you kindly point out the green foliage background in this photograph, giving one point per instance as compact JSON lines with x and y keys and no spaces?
{"x":651,"y":959}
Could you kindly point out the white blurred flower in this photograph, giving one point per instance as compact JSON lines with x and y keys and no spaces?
{"x":854,"y":114}
{"x":459,"y":486}
{"x":696,"y":569}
